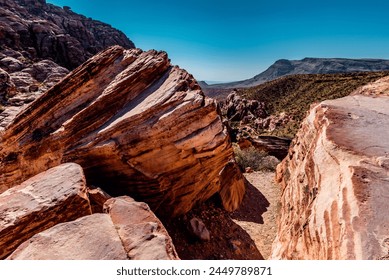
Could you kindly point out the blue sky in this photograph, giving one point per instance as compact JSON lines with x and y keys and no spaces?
{"x":219,"y":40}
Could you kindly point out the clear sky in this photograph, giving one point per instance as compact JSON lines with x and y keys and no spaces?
{"x":218,"y":40}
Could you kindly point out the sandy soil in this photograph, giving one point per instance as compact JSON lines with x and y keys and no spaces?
{"x":258,"y":215}
{"x":247,"y":233}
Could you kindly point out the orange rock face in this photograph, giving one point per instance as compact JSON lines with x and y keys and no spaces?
{"x":136,"y":124}
{"x":55,"y":196}
{"x":335,"y":183}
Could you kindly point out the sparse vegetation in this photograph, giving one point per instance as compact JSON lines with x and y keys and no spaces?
{"x":294,"y":94}
{"x":257,"y":160}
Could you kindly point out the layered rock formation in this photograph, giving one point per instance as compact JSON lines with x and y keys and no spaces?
{"x":335,"y":183}
{"x":49,"y":217}
{"x":136,"y":124}
{"x":39,"y":42}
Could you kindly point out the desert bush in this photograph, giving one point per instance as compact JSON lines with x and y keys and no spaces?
{"x":257,"y":160}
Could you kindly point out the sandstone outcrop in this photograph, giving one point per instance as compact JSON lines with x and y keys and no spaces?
{"x":52,"y":197}
{"x":43,"y":31}
{"x":136,"y":124}
{"x":335,"y":183}
{"x":142,"y":234}
{"x":128,"y":230}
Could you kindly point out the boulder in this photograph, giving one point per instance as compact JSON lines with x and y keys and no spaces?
{"x":271,"y":145}
{"x":92,"y":237}
{"x":136,"y":124}
{"x":141,"y":233}
{"x":52,"y":197}
{"x":335,"y":183}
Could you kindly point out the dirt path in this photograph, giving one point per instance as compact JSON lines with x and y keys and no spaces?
{"x":259,"y":210}
{"x":246,"y":234}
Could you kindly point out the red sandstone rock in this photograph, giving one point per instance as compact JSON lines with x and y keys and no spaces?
{"x":142,"y":234}
{"x":136,"y":124}
{"x":335,"y":183}
{"x":55,"y":196}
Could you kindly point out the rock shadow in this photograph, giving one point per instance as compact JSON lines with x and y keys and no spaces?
{"x":228,"y":240}
{"x":253,"y":206}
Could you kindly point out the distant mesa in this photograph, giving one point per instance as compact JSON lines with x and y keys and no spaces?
{"x":284,"y":67}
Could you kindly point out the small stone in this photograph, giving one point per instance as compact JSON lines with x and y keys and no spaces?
{"x":199,"y":230}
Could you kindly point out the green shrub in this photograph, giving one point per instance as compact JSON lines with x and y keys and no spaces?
{"x":257,"y":160}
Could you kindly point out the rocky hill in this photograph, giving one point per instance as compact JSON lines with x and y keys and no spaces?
{"x":45,"y":31}
{"x":285,"y":101}
{"x":284,"y":67}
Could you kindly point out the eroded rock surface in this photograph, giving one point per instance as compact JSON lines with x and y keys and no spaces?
{"x":136,"y":124}
{"x":379,"y":87}
{"x":335,"y":183}
{"x":52,"y":197}
{"x":142,"y":234}
{"x":93,"y":237}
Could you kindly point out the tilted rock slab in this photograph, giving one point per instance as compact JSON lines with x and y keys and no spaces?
{"x":55,"y":196}
{"x":335,"y":183}
{"x":142,"y":234}
{"x":136,"y":124}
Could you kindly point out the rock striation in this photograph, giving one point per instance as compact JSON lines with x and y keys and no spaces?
{"x":128,"y":231}
{"x":52,"y":197}
{"x":335,"y":183}
{"x":39,"y":43}
{"x":136,"y":124}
